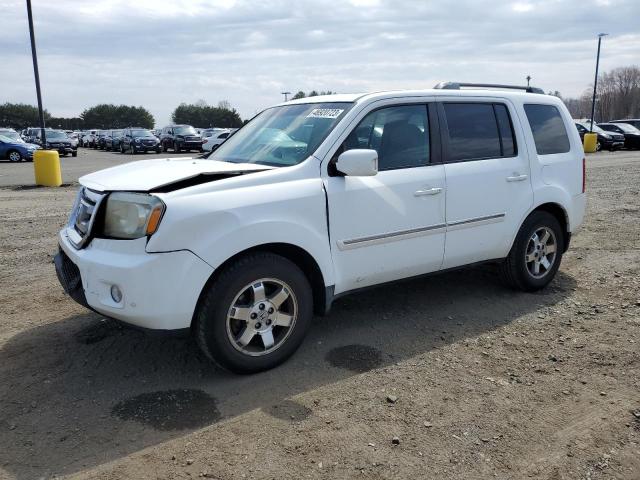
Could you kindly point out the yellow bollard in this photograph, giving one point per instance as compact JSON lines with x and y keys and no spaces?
{"x":46,"y":164}
{"x":590,"y":142}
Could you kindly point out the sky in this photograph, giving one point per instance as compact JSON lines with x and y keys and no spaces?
{"x":159,"y":53}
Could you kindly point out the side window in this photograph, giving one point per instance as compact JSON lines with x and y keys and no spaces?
{"x":223,"y":135}
{"x":580,"y":128}
{"x":400,"y":135}
{"x":506,"y":130}
{"x":548,"y":129}
{"x":473,"y":131}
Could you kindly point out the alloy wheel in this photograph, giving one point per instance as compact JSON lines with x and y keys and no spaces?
{"x":541,"y":252}
{"x":261,"y":317}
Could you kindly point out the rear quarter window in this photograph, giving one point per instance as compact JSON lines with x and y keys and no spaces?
{"x":549,"y":132}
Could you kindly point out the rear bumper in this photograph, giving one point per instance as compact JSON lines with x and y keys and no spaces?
{"x":159,"y":290}
{"x":578,"y":210}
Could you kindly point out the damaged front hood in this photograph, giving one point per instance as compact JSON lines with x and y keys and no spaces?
{"x":147,"y":175}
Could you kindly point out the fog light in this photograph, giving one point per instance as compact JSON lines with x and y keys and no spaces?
{"x":116,"y":293}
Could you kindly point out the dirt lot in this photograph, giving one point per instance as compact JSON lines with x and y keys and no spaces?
{"x":474,"y":380}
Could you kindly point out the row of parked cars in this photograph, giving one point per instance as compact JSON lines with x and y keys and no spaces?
{"x":615,"y":134}
{"x":177,"y":138}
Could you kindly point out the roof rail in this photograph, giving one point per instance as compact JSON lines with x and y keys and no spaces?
{"x":458,"y":85}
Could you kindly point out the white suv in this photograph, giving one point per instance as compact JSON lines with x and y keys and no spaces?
{"x":320,"y":197}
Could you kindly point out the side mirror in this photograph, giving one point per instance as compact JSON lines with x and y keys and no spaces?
{"x":358,"y":163}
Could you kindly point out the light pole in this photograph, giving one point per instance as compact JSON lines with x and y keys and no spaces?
{"x":286,"y":96}
{"x":595,"y":82}
{"x":35,"y":72}
{"x":528,"y":79}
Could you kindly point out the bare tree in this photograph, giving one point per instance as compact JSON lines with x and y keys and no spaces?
{"x":618,"y":96}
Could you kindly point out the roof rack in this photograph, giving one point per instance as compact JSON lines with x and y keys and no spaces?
{"x":458,"y":85}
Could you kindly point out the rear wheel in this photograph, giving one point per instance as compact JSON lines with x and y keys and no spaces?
{"x":15,"y":156}
{"x":536,"y":253}
{"x":255,"y":315}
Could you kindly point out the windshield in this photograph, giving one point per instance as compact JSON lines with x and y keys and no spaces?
{"x":625,"y":127}
{"x":184,"y":130}
{"x":141,"y":133}
{"x":55,"y":135}
{"x":12,"y":136}
{"x":282,"y":136}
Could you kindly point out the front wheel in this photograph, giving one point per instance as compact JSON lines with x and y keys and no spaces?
{"x":536,"y":253}
{"x":176,"y":148}
{"x":74,"y":154}
{"x":15,"y":156}
{"x":255,"y":314}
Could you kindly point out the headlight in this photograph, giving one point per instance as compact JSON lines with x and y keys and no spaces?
{"x":132,"y":215}
{"x":136,"y":140}
{"x":606,"y":135}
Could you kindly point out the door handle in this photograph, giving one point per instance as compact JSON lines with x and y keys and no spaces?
{"x":517,"y":178}
{"x":429,"y":191}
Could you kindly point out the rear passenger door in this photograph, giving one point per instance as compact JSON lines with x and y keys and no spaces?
{"x":488,"y":179}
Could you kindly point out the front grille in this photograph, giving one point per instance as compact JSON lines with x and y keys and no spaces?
{"x":84,"y":215}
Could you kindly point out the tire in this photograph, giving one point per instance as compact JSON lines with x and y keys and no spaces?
{"x":164,"y":147}
{"x":158,"y":150}
{"x":219,"y":335}
{"x":176,"y":149}
{"x":121,"y":148}
{"x":518,"y":269}
{"x":74,"y":154}
{"x":598,"y":147}
{"x":14,"y":156}
{"x":132,"y":148}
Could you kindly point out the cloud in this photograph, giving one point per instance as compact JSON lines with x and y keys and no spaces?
{"x":159,"y":53}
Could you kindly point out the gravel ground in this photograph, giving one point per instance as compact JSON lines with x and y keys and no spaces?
{"x":446,"y":377}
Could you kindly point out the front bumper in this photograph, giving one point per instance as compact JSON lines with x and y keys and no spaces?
{"x":190,"y":145}
{"x":159,"y":290}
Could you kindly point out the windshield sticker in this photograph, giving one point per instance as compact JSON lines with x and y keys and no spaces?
{"x":325,"y":113}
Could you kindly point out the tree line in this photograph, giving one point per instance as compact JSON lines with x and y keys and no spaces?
{"x":103,"y":116}
{"x":617,"y":96}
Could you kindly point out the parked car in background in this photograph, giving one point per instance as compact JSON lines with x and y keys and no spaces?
{"x":15,"y":149}
{"x":139,"y":140}
{"x":339,"y":193}
{"x":113,"y":139}
{"x":57,"y":140}
{"x":607,"y":140}
{"x":73,"y":137}
{"x":30,"y":134}
{"x":631,"y":133}
{"x":180,"y":137}
{"x":635,"y":122}
{"x":101,"y":139}
{"x":89,"y":138}
{"x":214,"y":139}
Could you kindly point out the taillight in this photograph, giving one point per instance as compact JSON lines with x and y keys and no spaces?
{"x":584,"y":174}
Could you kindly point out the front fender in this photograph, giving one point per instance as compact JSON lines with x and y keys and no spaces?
{"x":220,"y":224}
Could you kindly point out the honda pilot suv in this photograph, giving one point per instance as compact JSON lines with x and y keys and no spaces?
{"x":319,"y":197}
{"x":180,"y":137}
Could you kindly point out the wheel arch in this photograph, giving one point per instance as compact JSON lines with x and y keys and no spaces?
{"x":322,"y":294}
{"x":559,"y":213}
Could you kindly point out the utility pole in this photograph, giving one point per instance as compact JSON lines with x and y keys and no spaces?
{"x":528,"y":79}
{"x":286,"y":96}
{"x":34,"y":55}
{"x":595,"y":82}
